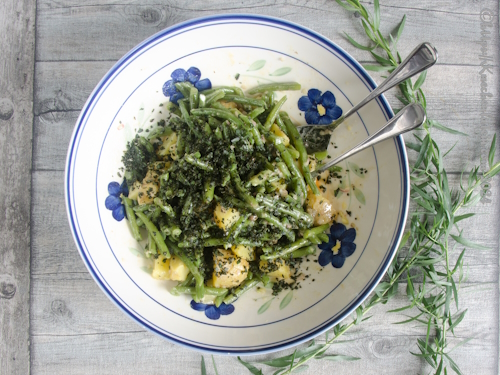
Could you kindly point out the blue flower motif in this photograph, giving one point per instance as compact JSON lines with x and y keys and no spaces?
{"x":192,"y":75}
{"x":211,"y":311}
{"x":319,"y":109}
{"x":113,"y":202}
{"x":331,"y":252}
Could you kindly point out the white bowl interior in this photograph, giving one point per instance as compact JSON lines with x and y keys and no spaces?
{"x":130,"y":97}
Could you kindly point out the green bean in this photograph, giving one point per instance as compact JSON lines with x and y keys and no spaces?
{"x":180,"y":144}
{"x":287,"y":158}
{"x":255,"y":112}
{"x":323,"y":237}
{"x":247,"y":285}
{"x":220,"y":113}
{"x":214,"y":97}
{"x":285,"y":209}
{"x":226,"y":89}
{"x":141,"y":207}
{"x":214,"y":242}
{"x":316,"y":230}
{"x":187,"y":207}
{"x":173,"y":108}
{"x":198,"y":163}
{"x":315,"y":240}
{"x":131,"y":217}
{"x":207,"y":129}
{"x":238,"y":91}
{"x":260,"y":213}
{"x":165,"y":229}
{"x":308,"y":250}
{"x":299,"y":145}
{"x":214,"y":123}
{"x":202,"y":99}
{"x":209,"y":189}
{"x":184,"y":88}
{"x":143,"y":141}
{"x":194,"y":98}
{"x":176,"y":231}
{"x":238,"y":226}
{"x":284,"y":86}
{"x":257,"y":137}
{"x":151,"y":244}
{"x":164,"y":179}
{"x":159,"y":132}
{"x":295,"y":154}
{"x":235,"y":177}
{"x":218,"y":300}
{"x":187,"y":282}
{"x":210,"y":291}
{"x":226,"y":178}
{"x":187,"y":118}
{"x":281,"y":125}
{"x":156,"y":214}
{"x":284,"y":170}
{"x":271,"y":117}
{"x":200,"y":286}
{"x":155,"y":234}
{"x":165,"y":207}
{"x":286,"y":250}
{"x":245,"y":100}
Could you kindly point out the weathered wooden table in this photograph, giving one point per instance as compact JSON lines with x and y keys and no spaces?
{"x":53,"y":317}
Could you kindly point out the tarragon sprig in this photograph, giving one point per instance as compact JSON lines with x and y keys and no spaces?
{"x":433,"y":227}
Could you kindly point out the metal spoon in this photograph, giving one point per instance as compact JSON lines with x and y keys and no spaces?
{"x":421,"y":58}
{"x":409,"y":118}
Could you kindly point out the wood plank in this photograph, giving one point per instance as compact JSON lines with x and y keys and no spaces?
{"x":54,"y":252}
{"x":119,"y":27}
{"x":17,"y":26}
{"x":78,"y":43}
{"x":62,"y":88}
{"x":70,"y":338}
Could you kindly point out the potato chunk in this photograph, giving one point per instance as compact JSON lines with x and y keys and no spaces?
{"x":279,"y":133}
{"x":320,"y":208}
{"x":161,"y":268}
{"x":178,"y":270}
{"x":276,"y":270}
{"x":133,"y":191}
{"x":225,"y":217}
{"x":245,"y":252}
{"x":170,"y":269}
{"x":169,"y":146}
{"x":148,"y":189}
{"x":229,"y":269}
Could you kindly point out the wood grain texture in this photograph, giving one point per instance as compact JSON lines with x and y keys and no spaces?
{"x":121,"y":25}
{"x":76,"y":45}
{"x":17,"y":26}
{"x":69,"y":337}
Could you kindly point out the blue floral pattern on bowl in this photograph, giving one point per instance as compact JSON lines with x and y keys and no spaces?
{"x":319,"y":109}
{"x":113,"y":201}
{"x":192,"y":75}
{"x":211,"y":311}
{"x":340,"y":246}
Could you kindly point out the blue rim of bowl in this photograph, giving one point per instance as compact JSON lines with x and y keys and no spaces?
{"x":367,"y":80}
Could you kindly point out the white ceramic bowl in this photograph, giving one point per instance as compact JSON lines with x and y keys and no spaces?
{"x":254,"y":49}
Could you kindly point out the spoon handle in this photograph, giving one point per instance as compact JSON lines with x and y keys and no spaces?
{"x":409,"y":118}
{"x":421,"y":58}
